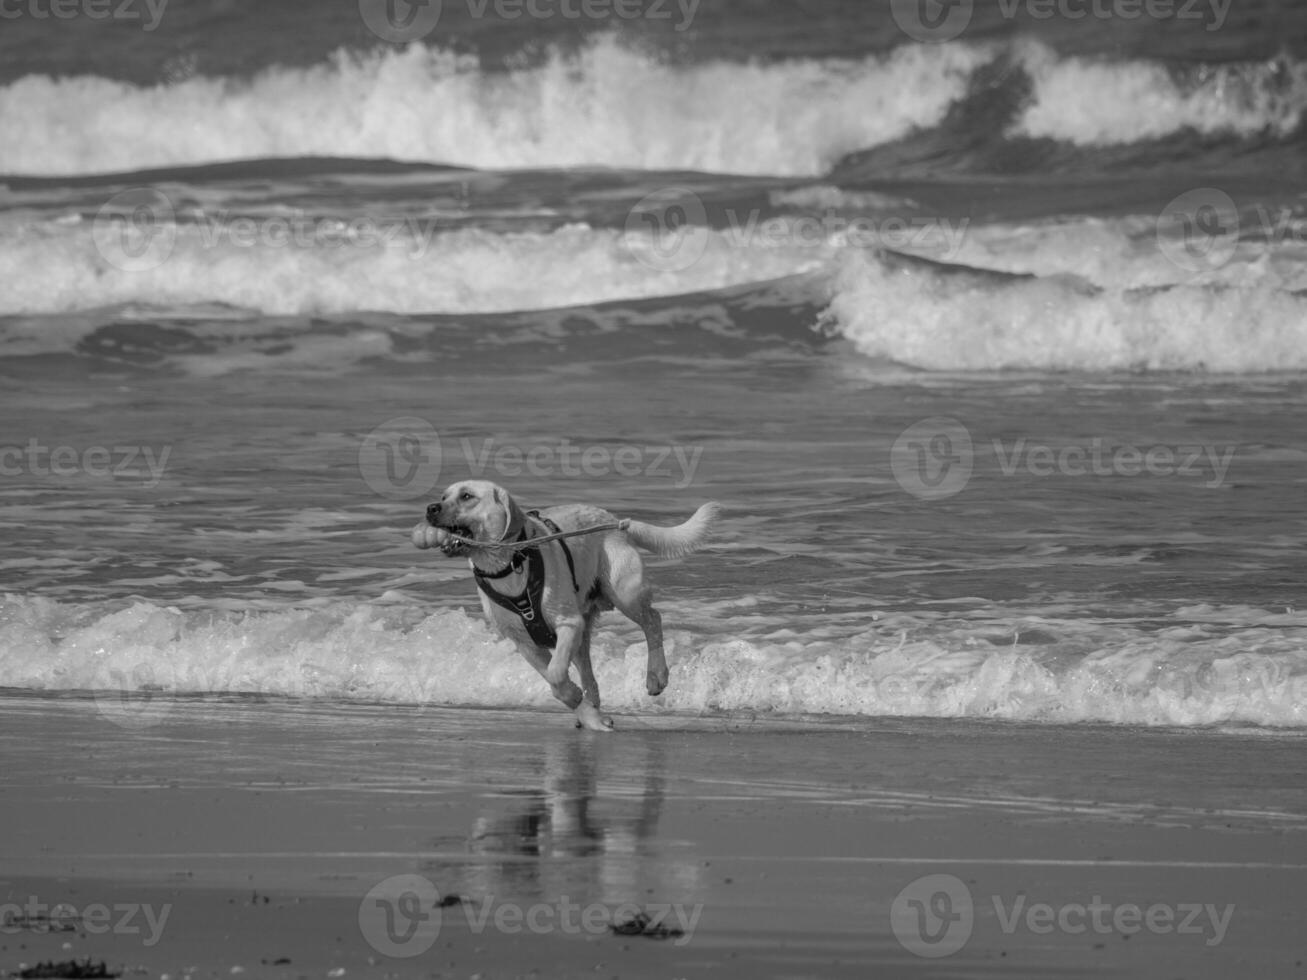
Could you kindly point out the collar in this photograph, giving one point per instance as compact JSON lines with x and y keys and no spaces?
{"x":514,"y":564}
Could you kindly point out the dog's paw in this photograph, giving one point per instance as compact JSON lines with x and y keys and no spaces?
{"x":588,"y":716}
{"x":655,"y":682}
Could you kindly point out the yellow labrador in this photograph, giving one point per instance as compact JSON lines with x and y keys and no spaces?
{"x":547,"y":597}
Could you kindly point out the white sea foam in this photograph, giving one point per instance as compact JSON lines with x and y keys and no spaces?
{"x":605,"y":105}
{"x":931,"y":318}
{"x":610,"y":105}
{"x":394,"y":651}
{"x":1096,"y":102}
{"x":55,"y":267}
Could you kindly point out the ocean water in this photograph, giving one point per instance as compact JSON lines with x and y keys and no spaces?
{"x":991,"y":348}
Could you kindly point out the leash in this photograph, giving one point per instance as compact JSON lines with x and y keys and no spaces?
{"x":621,"y":525}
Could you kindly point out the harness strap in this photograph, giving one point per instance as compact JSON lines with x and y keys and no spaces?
{"x":567,"y":552}
{"x":527,"y":603}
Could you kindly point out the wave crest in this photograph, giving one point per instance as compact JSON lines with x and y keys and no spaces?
{"x":608,"y":105}
{"x":400,"y":652}
{"x":941,"y":318}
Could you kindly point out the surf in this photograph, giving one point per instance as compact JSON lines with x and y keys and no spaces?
{"x":1194,"y":671}
{"x":611,"y":104}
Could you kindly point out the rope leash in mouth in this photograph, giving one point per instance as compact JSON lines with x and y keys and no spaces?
{"x":621,"y":525}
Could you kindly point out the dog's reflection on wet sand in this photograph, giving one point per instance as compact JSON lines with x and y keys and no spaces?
{"x":588,"y":832}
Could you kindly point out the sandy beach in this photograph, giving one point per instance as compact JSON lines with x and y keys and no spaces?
{"x":211,"y":837}
{"x":983,"y":324}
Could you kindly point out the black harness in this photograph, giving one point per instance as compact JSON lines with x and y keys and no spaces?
{"x":526,"y":604}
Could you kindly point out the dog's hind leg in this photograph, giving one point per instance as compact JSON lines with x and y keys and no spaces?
{"x":589,"y":686}
{"x":655,"y":677}
{"x":631,"y":595}
{"x":639,"y":608}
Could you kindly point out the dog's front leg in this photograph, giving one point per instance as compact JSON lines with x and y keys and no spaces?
{"x":570,"y":636}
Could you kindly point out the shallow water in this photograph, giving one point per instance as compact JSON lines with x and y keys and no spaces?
{"x":994,"y":433}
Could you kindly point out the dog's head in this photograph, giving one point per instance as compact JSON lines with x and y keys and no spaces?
{"x":477,"y":510}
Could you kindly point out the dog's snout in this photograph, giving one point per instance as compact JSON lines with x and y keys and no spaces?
{"x":433,"y":512}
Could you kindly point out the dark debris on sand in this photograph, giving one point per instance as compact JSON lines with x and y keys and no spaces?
{"x":641,"y":924}
{"x":68,"y":970}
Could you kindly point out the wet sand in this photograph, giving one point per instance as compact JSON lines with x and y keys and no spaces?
{"x":301,"y":839}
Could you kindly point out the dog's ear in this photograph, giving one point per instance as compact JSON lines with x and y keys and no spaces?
{"x":515,"y":518}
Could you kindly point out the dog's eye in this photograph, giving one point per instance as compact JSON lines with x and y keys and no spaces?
{"x":464,"y":496}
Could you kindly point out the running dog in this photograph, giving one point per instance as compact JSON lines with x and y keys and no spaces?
{"x":546,"y":597}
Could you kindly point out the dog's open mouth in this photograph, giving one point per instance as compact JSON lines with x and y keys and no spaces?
{"x":462,"y":530}
{"x":453,"y":545}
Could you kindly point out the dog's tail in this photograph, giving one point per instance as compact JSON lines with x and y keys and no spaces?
{"x":672,"y":542}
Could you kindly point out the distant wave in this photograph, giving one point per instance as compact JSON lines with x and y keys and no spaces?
{"x":401,"y":652}
{"x":608,"y":105}
{"x":956,"y":319}
{"x":55,"y":267}
{"x":1085,"y":294}
{"x":1095,"y":102}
